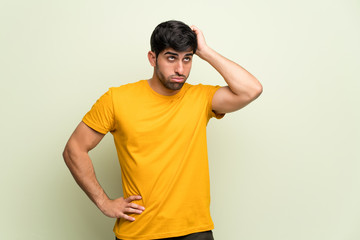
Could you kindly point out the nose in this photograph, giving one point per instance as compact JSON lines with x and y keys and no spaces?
{"x":179,"y":68}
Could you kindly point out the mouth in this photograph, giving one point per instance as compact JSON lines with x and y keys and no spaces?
{"x":178,"y":79}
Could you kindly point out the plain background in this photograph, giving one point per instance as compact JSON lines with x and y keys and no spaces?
{"x":285,"y":167}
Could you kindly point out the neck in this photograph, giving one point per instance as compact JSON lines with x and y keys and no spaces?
{"x":158,"y":87}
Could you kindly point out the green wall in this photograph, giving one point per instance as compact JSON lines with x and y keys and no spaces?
{"x":285,"y":167}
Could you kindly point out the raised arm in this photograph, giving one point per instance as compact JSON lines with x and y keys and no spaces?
{"x":242,"y":87}
{"x":80,"y":165}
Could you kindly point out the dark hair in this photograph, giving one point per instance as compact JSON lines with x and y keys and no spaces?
{"x":173,"y":34}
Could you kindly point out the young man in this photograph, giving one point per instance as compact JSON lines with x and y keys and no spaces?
{"x":159,"y":129}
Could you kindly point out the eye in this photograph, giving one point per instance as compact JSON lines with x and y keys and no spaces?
{"x":171,"y":58}
{"x":187,"y":59}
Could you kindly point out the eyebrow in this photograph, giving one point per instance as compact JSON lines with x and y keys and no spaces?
{"x":175,"y":54}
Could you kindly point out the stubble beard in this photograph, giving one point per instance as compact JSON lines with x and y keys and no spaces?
{"x":166,"y":82}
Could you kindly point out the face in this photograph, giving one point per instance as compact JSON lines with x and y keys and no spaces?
{"x":172,"y":68}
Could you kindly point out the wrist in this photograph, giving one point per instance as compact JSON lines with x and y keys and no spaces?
{"x":101,"y":202}
{"x":205,"y":53}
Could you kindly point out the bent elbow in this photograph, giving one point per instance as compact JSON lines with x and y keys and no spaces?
{"x":69,"y":154}
{"x":66,"y":154}
{"x":256,"y":91}
{"x":259,"y":90}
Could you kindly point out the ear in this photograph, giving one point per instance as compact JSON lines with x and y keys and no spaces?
{"x":152,"y":58}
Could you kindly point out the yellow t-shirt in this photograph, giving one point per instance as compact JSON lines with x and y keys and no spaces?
{"x":161,"y":146}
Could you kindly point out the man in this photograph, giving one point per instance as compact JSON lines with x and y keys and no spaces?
{"x":159,"y":129}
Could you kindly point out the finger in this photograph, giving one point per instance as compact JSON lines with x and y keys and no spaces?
{"x":136,"y":206}
{"x":127,"y":217}
{"x":133,"y":210}
{"x":133,"y":198}
{"x":195,"y":29}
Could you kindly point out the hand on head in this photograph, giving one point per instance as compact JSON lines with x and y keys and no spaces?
{"x":202,"y":46}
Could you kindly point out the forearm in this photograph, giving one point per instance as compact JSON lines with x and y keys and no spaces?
{"x":81,"y":167}
{"x":239,"y":80}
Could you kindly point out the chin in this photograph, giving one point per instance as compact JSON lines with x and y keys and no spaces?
{"x":174,"y":86}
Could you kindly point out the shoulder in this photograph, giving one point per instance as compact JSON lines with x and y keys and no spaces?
{"x":128,"y":86}
{"x":128,"y":89}
{"x":201,"y":88}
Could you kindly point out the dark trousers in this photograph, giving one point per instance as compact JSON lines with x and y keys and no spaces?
{"x":194,"y":236}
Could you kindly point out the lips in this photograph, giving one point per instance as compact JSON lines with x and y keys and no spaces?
{"x":178,"y":79}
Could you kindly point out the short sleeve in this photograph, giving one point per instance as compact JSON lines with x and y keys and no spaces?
{"x":101,"y":115}
{"x":211,"y":113}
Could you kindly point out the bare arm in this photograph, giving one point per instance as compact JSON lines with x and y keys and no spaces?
{"x":80,"y":165}
{"x":242,"y":87}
